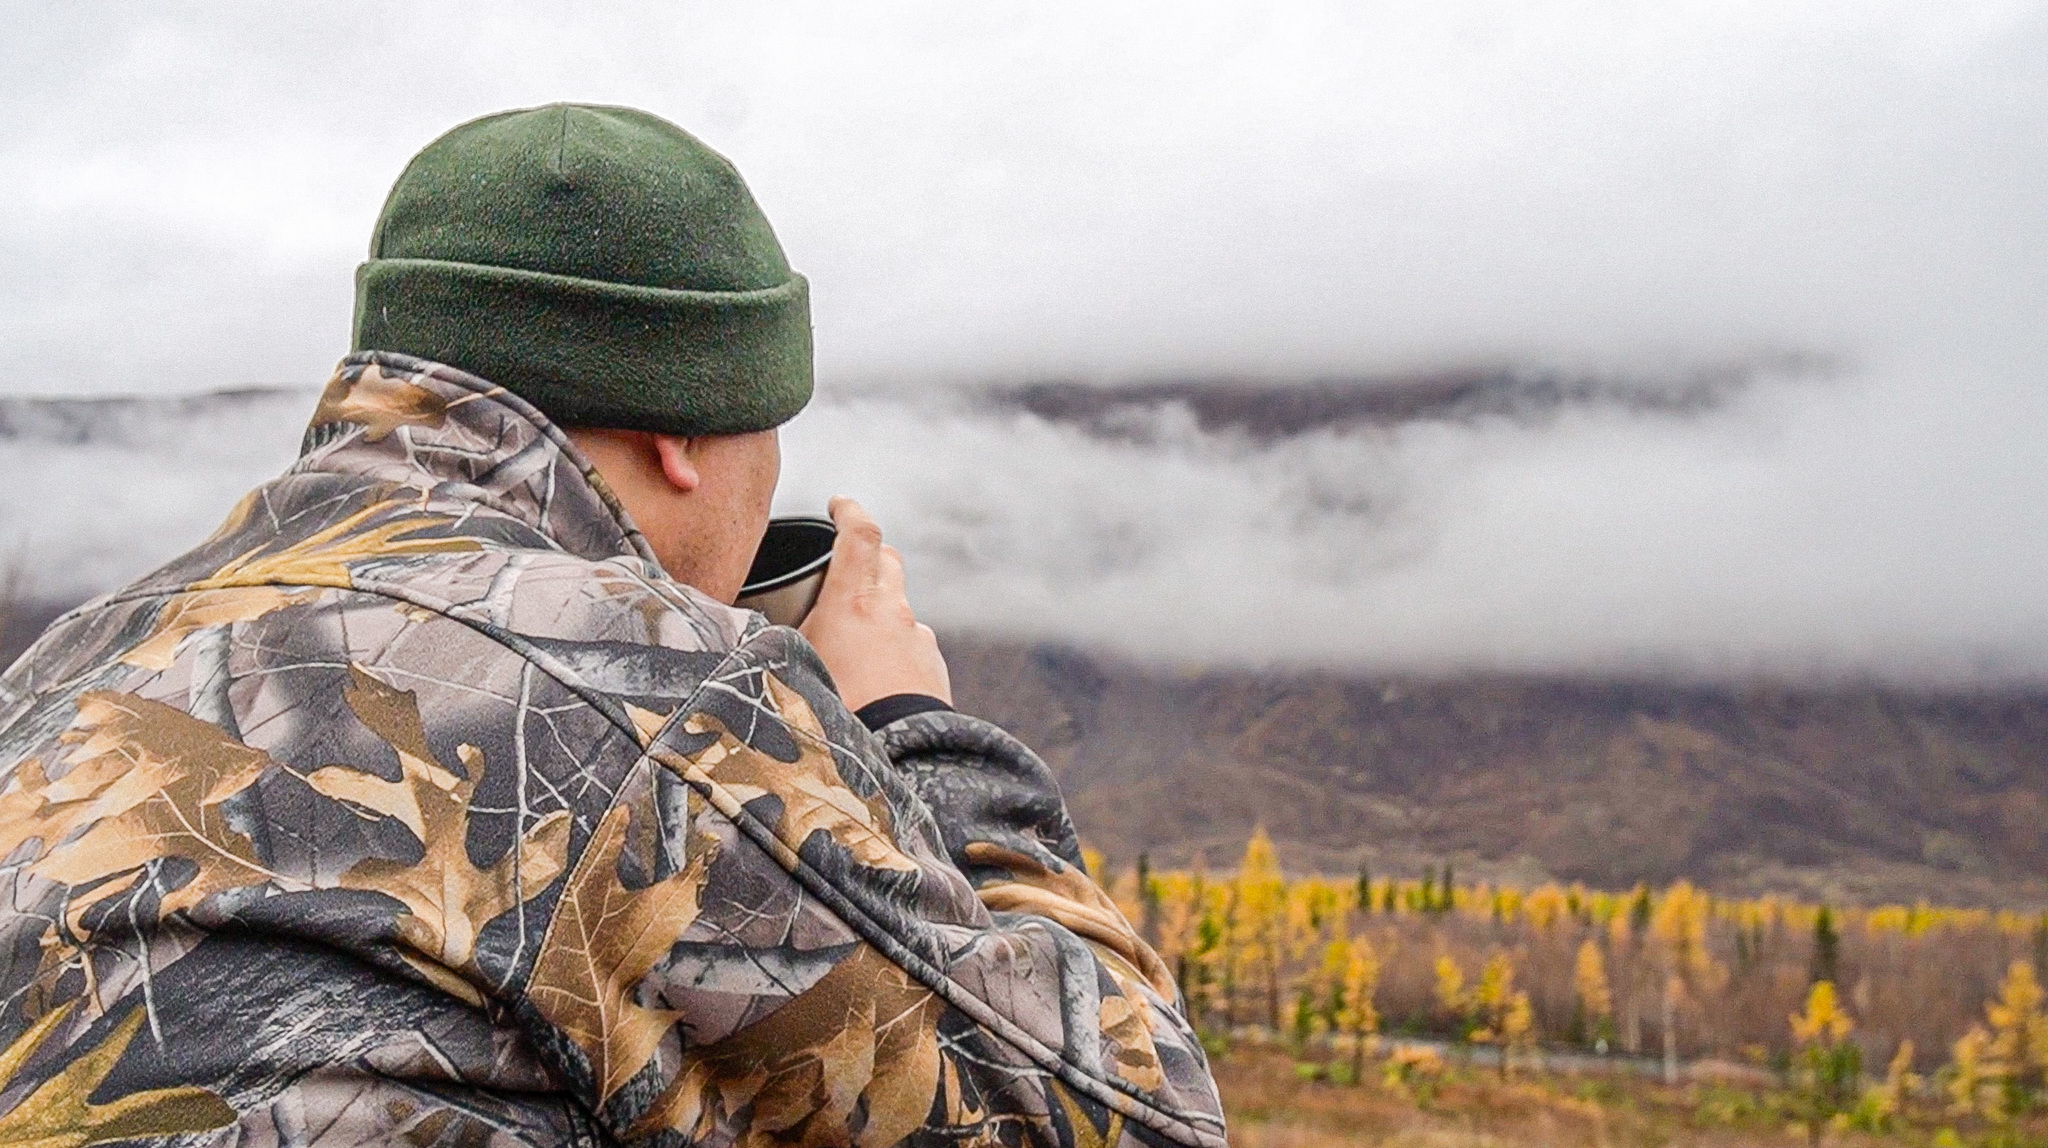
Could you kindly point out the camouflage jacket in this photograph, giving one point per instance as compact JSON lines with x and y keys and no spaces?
{"x":418,"y":806}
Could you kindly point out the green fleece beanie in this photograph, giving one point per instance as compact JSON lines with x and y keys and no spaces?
{"x":599,"y":262}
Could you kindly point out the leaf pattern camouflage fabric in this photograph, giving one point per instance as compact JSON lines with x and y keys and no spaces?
{"x":418,"y":806}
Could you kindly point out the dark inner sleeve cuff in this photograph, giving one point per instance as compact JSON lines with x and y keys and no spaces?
{"x":896,"y":707}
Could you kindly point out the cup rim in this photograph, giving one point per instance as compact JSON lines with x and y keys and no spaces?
{"x":792,"y":577}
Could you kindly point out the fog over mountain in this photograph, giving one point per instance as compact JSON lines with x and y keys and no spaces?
{"x":1546,"y":336}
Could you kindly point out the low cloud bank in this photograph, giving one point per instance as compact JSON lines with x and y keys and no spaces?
{"x":1786,"y":522}
{"x":1860,"y":525}
{"x":99,"y":491}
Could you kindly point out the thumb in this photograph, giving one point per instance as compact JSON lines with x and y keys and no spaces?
{"x":857,"y":551}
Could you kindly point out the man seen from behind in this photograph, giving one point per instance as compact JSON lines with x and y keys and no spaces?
{"x":442,"y":797}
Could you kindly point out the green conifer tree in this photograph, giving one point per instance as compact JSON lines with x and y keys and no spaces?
{"x":1639,"y":911}
{"x":1827,"y":950}
{"x":1148,"y":901}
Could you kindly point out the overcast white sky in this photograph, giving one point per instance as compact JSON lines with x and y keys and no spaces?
{"x":1014,"y":191}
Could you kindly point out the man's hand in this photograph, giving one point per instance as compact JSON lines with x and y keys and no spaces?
{"x":862,"y":625}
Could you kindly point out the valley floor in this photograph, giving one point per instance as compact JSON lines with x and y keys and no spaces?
{"x":1275,"y":1100}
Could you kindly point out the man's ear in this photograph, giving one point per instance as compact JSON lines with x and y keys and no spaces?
{"x":676,"y":464}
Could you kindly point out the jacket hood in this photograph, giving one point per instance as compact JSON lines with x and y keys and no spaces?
{"x":454,"y":437}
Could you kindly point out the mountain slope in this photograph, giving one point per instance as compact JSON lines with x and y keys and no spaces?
{"x":1853,"y":792}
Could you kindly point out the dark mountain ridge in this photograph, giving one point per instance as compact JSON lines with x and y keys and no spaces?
{"x":1265,"y":411}
{"x":1849,"y":792}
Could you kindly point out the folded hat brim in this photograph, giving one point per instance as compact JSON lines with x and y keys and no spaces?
{"x":591,"y":353}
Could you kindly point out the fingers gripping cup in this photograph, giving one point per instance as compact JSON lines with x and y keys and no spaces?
{"x":789,"y":569}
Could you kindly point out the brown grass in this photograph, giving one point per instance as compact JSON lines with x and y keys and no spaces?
{"x":1272,"y":1105}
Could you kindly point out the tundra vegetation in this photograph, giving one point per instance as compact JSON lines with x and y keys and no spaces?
{"x":1367,"y":1008}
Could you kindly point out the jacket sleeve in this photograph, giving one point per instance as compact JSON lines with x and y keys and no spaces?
{"x":769,"y":936}
{"x":1004,"y":825}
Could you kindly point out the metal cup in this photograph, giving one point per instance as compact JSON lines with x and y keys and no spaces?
{"x":789,"y":569}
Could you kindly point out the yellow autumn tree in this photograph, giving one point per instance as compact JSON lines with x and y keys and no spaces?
{"x":1824,"y":1021}
{"x":1881,"y":1105}
{"x":1632,"y":972}
{"x":1491,"y":997}
{"x":1499,"y":1013}
{"x":1314,"y":911}
{"x":1589,"y":984}
{"x":1545,"y":907}
{"x":1973,"y":1079}
{"x":1192,"y":935}
{"x":1358,"y":1018}
{"x":1179,"y":914}
{"x":1830,"y":1066}
{"x":1176,"y":910}
{"x":1329,"y":982}
{"x":1258,"y":921}
{"x":2019,"y":1033}
{"x":1450,"y":989}
{"x":1678,"y":931}
{"x":1900,"y":1082}
{"x":1517,"y":1030}
{"x":1679,"y":924}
